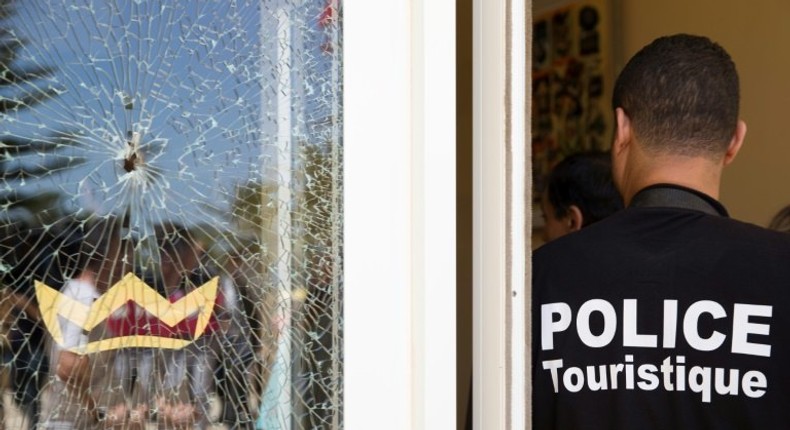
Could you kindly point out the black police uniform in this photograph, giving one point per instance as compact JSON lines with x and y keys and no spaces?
{"x":666,"y":315}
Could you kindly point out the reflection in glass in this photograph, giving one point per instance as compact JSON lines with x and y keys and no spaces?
{"x":170,"y":216}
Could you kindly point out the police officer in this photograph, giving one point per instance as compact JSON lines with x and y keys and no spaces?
{"x":668,"y":314}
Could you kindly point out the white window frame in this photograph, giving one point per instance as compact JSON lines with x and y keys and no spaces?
{"x":399,"y":216}
{"x":502,"y":216}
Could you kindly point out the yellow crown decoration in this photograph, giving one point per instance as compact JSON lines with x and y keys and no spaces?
{"x":130,"y":288}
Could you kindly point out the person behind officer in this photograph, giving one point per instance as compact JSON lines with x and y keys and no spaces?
{"x":672,"y":315}
{"x":579,"y":192}
{"x":781,"y":221}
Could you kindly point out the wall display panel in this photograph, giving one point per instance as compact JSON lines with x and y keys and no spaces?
{"x":572,"y":80}
{"x":170,"y":217}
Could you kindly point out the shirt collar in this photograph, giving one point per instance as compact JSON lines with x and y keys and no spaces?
{"x":677,"y":196}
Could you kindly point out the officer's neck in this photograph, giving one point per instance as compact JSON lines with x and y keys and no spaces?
{"x":698,"y":173}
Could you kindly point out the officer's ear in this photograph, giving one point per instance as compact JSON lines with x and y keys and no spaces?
{"x":622,"y":133}
{"x":575,"y":218}
{"x":735,"y":143}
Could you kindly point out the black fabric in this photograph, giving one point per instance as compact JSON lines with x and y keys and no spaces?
{"x":638,"y":265}
{"x":676,"y":196}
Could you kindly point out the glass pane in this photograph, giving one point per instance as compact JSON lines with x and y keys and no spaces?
{"x":170,"y":214}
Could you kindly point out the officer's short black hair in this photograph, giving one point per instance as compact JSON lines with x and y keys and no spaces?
{"x":681,"y":94}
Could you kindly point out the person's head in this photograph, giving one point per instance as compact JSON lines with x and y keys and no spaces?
{"x":677,"y":99}
{"x":180,"y":252}
{"x":781,"y":221}
{"x":579,"y":191}
{"x":104,"y":254}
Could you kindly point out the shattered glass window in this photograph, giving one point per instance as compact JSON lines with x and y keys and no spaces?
{"x":170,"y":214}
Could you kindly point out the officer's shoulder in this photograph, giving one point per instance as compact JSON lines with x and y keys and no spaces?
{"x":748,"y":232}
{"x":576,"y":242}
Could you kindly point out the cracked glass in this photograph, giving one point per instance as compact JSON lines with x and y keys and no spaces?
{"x":170,"y":214}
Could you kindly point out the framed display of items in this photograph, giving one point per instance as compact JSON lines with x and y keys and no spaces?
{"x":572,"y":79}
